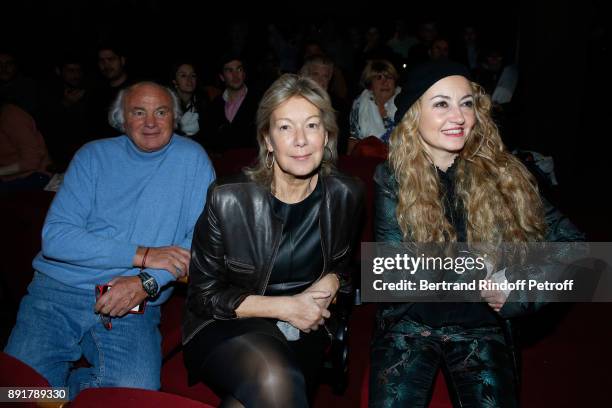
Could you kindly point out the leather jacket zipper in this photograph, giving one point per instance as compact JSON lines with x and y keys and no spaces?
{"x":269,"y":273}
{"x":331,"y":337}
{"x":203,"y":325}
{"x":323,"y":202}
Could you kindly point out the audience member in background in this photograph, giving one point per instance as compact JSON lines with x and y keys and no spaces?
{"x":467,"y":50}
{"x":402,"y":41}
{"x":124,"y":216}
{"x":23,"y":154}
{"x":320,"y":69}
{"x":15,"y":87}
{"x":268,"y":255}
{"x":284,"y":41}
{"x":193,"y":103}
{"x":337,"y":86}
{"x":111,"y":62}
{"x":375,"y":48}
{"x":439,"y":49}
{"x":427,"y":32}
{"x":67,"y":112}
{"x":449,"y":179}
{"x":373,"y":111}
{"x":230,"y":120}
{"x":267,"y":70}
{"x":112,"y":65}
{"x":490,"y":68}
{"x":500,"y":82}
{"x":333,"y":38}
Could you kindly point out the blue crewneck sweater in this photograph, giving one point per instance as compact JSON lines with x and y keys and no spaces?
{"x":115,"y":198}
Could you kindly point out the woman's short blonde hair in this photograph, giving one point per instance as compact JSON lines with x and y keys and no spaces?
{"x":375,"y":67}
{"x":284,"y":88}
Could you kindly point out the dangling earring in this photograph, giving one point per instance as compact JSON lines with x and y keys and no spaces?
{"x":331,"y":154}
{"x":269,"y":163}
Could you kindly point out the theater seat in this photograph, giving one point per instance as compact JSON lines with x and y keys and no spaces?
{"x":15,"y":373}
{"x":131,"y":397}
{"x":22,"y":216}
{"x":232,"y":161}
{"x":171,"y":319}
{"x":363,"y":168}
{"x":174,"y":381}
{"x":174,"y":373}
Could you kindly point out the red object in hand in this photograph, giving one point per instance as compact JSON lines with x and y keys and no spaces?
{"x":102,"y":289}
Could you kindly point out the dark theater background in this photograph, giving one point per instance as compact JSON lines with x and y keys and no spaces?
{"x":560,"y":108}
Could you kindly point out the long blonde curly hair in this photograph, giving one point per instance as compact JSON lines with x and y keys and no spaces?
{"x":498,"y":194}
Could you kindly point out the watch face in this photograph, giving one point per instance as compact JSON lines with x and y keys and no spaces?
{"x":149,"y":285}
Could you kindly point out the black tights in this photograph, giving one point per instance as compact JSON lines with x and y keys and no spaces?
{"x":256,"y":370}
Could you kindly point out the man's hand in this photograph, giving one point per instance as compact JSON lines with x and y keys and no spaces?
{"x":173,"y":259}
{"x":125,"y":294}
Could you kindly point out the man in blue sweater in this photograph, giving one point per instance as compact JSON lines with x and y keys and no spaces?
{"x":124,"y":216}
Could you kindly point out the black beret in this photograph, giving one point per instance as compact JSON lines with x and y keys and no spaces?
{"x":421,"y":78}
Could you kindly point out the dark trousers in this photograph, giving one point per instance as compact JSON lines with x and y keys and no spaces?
{"x":250,"y":363}
{"x":476,"y":362}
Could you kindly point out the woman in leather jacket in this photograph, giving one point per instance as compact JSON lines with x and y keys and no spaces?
{"x":449,"y":179}
{"x":269,"y":254}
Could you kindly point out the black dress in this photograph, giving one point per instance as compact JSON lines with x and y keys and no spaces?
{"x":231,"y":353}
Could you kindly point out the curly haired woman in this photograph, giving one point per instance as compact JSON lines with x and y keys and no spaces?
{"x":449,"y":178}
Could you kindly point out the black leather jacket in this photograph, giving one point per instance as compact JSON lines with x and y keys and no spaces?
{"x":237,"y":237}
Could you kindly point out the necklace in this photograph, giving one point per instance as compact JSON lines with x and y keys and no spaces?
{"x":309,"y":190}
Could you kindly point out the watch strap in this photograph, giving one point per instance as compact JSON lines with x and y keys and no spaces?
{"x":149,"y":284}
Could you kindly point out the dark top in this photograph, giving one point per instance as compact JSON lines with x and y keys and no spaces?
{"x":102,"y":98}
{"x":238,"y":239}
{"x":438,"y":314}
{"x":299,"y":261}
{"x":218,"y":134}
{"x":559,"y":229}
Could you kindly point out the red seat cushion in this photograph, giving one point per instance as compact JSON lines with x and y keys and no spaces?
{"x":171,"y":318}
{"x":373,"y":147}
{"x":363,"y":168}
{"x":14,"y":372}
{"x":174,"y":380}
{"x":233,"y":161}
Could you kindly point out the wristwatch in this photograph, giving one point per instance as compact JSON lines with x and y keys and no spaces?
{"x":149,"y":284}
